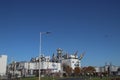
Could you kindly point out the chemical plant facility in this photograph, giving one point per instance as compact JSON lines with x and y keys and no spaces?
{"x":54,"y":65}
{"x":47,"y":65}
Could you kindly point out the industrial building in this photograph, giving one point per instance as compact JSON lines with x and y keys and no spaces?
{"x":3,"y":64}
{"x":53,"y":65}
{"x":46,"y":64}
{"x":109,"y":68}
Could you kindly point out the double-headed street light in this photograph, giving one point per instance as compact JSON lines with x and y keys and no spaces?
{"x":40,"y":50}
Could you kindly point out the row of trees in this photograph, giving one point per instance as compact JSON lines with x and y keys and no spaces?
{"x":78,"y":71}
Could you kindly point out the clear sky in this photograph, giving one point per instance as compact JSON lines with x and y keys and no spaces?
{"x":92,"y":26}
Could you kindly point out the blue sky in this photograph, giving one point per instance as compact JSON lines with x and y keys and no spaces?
{"x":92,"y":26}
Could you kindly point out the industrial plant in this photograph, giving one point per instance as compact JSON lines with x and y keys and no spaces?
{"x":46,"y":64}
{"x":49,"y":65}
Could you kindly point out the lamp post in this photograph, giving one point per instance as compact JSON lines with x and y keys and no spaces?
{"x":40,"y":50}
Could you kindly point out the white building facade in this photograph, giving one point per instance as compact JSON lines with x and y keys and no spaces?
{"x":25,"y":68}
{"x":72,"y":61}
{"x":3,"y":64}
{"x":28,"y":68}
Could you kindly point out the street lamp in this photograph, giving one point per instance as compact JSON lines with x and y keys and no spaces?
{"x":40,"y":50}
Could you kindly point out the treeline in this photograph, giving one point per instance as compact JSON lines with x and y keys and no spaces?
{"x":85,"y":71}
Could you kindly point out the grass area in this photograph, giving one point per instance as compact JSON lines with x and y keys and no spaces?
{"x":30,"y":78}
{"x":51,"y":78}
{"x":97,"y":78}
{"x":36,"y":78}
{"x":105,"y":78}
